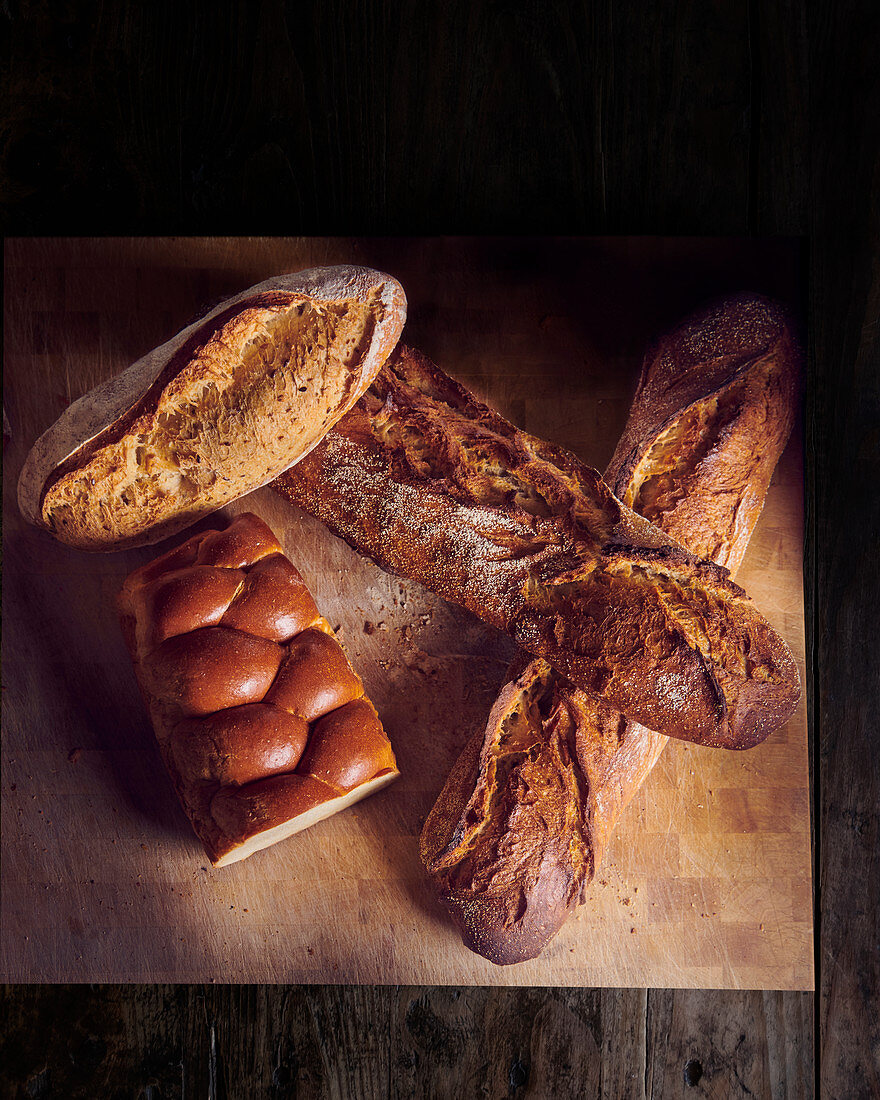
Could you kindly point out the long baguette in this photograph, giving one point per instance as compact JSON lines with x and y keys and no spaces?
{"x":522,"y":822}
{"x":217,"y":411}
{"x":433,"y":485}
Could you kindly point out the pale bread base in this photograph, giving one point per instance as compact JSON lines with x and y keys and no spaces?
{"x":296,"y":825}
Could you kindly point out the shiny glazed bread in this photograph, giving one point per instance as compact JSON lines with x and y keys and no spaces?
{"x":433,"y":485}
{"x":217,"y":411}
{"x":261,"y":721}
{"x":521,"y":825}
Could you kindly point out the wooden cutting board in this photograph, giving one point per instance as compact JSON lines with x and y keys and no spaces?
{"x":707,"y":882}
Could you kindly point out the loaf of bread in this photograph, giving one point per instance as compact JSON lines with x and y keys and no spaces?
{"x":520,"y":826}
{"x":522,"y":822}
{"x":219,"y":410}
{"x":262,"y":723}
{"x":433,"y":485}
{"x":712,"y":413}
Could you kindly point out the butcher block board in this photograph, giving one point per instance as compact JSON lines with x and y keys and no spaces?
{"x":707,"y":882}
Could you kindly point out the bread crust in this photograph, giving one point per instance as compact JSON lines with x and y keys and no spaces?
{"x":433,"y":485}
{"x":125,"y":407}
{"x":521,"y":824}
{"x":506,"y":871}
{"x":712,"y":412}
{"x":258,"y":742}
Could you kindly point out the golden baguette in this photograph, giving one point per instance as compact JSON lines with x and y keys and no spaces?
{"x":521,"y":825}
{"x":433,"y":485}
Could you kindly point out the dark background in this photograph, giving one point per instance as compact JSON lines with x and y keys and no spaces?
{"x":694,"y":118}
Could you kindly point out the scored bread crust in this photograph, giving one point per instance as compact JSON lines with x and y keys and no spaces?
{"x":261,"y":721}
{"x":433,"y":485}
{"x":712,"y":412}
{"x":521,"y":825}
{"x":169,"y":399}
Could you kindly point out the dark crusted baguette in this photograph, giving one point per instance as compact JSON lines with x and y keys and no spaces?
{"x":522,"y":822}
{"x":711,"y":415}
{"x":433,"y":485}
{"x":519,"y":828}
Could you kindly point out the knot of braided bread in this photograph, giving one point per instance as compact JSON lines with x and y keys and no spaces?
{"x":257,"y":710}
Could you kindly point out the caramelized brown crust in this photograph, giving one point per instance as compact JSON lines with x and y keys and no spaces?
{"x":262,"y":722}
{"x":711,"y":415}
{"x":521,"y":825}
{"x":215,"y":412}
{"x":433,"y":485}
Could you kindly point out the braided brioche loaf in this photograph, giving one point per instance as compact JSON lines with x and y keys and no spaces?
{"x":522,"y":822}
{"x":261,"y":721}
{"x":433,"y":485}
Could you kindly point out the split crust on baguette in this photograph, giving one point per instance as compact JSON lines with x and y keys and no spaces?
{"x":712,"y":412}
{"x":218,"y":411}
{"x":521,"y":825}
{"x":433,"y":485}
{"x":231,"y":851}
{"x":522,"y":821}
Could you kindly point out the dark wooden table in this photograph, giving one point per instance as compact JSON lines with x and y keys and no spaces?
{"x":516,"y":118}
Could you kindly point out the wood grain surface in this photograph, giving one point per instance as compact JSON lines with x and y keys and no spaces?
{"x":707,"y":882}
{"x":845,"y":521}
